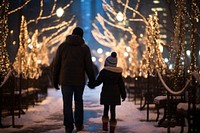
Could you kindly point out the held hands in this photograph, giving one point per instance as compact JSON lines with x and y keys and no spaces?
{"x":57,"y":88}
{"x":91,"y":85}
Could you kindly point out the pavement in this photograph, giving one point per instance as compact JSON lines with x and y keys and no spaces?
{"x":47,"y":117}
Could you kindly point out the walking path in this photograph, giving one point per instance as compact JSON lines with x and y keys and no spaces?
{"x":46,"y":117}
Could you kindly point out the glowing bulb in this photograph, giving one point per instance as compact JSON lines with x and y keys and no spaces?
{"x":161,"y":48}
{"x":100,"y":60}
{"x":38,"y":45}
{"x":188,"y":71}
{"x":59,"y":12}
{"x":156,"y":2}
{"x":188,"y":52}
{"x":99,"y":50}
{"x":107,"y":53}
{"x":120,"y":16}
{"x":14,"y":42}
{"x":39,"y":61}
{"x":30,"y":46}
{"x":11,"y":31}
{"x":130,"y":59}
{"x":94,"y":59}
{"x":128,"y":49}
{"x":29,"y":40}
{"x":126,"y":54}
{"x":170,"y":66}
{"x":197,"y":19}
{"x":166,"y":60}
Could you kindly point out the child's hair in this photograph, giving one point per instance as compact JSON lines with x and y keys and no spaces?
{"x":111,"y":60}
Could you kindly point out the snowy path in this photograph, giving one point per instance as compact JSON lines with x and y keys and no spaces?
{"x":46,"y":117}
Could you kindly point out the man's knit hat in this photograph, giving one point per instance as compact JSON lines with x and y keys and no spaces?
{"x":111,"y":60}
{"x":78,"y":31}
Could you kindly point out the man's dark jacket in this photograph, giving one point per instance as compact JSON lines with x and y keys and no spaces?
{"x":72,"y":61}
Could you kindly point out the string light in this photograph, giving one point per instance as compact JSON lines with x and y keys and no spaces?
{"x":5,"y":65}
{"x":19,"y":8}
{"x":194,"y":12}
{"x":129,"y":63}
{"x":177,"y":53}
{"x":33,"y":53}
{"x":178,"y":46}
{"x":21,"y":60}
{"x":52,"y":14}
{"x":152,"y":56}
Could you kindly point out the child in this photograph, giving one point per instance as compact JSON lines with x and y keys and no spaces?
{"x":112,"y":91}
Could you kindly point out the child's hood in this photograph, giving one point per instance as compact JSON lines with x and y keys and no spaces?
{"x":114,"y":69}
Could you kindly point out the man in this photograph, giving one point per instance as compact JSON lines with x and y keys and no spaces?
{"x":72,"y":61}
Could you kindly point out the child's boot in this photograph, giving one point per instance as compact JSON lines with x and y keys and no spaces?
{"x":105,"y":120}
{"x":113,"y":124}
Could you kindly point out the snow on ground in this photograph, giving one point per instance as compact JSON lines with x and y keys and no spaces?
{"x":47,"y":116}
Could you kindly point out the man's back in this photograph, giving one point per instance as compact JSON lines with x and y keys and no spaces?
{"x":75,"y":58}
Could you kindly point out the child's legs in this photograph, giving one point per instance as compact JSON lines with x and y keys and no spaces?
{"x":113,"y":121}
{"x":112,"y":112}
{"x":106,"y":109}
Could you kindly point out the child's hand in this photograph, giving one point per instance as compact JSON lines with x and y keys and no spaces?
{"x":56,"y":86}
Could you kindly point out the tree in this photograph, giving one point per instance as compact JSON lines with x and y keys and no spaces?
{"x":5,"y":65}
{"x":115,"y":31}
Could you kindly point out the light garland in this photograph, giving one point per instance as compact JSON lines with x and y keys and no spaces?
{"x":152,"y":56}
{"x":33,"y":68}
{"x":31,"y":55}
{"x":21,"y":60}
{"x":177,"y":51}
{"x":194,"y":13}
{"x":50,"y":43}
{"x":19,"y":8}
{"x":5,"y":65}
{"x":174,"y":91}
{"x":179,"y":46}
{"x":106,"y":38}
{"x":133,"y":64}
{"x":52,"y":14}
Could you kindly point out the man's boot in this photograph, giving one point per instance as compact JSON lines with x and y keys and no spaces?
{"x":105,"y":120}
{"x":113,"y":124}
